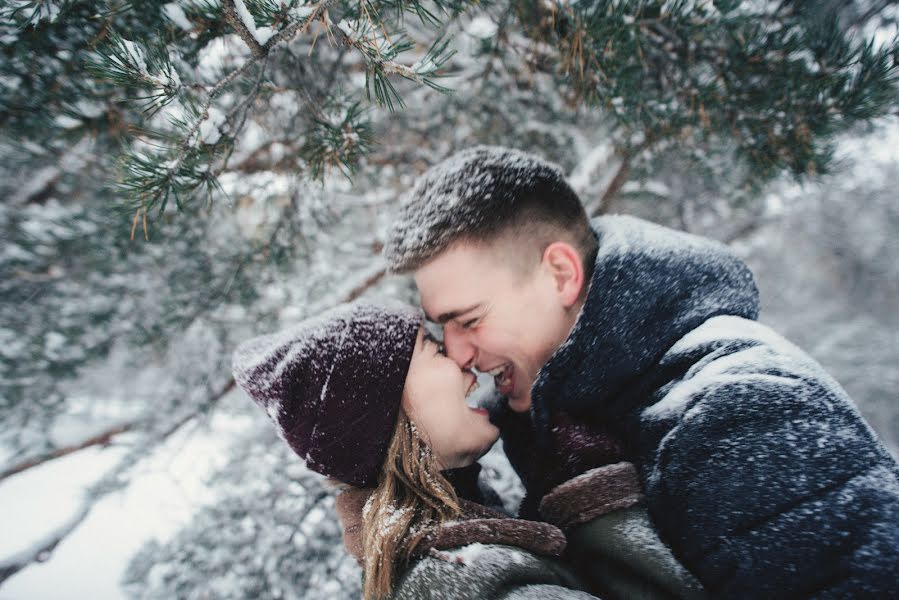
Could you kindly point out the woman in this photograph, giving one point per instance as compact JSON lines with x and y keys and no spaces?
{"x":368,"y":399}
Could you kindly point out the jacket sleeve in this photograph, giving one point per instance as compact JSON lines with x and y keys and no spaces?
{"x":765,"y":480}
{"x":488,"y":572}
{"x":611,"y":542}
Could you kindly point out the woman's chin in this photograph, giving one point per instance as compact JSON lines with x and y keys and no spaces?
{"x":489,"y":444}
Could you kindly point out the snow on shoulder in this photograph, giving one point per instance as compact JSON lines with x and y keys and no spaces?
{"x":760,"y":351}
{"x":485,"y":556}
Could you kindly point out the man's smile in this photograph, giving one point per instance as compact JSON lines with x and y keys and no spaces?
{"x":502,"y":378}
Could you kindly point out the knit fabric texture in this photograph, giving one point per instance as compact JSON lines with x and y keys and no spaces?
{"x":333,"y":385}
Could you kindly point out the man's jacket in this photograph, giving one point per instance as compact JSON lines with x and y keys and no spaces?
{"x":758,"y":469}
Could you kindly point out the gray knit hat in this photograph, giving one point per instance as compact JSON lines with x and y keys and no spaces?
{"x":333,"y":385}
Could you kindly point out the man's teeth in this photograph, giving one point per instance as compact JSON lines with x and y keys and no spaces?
{"x":502,"y":376}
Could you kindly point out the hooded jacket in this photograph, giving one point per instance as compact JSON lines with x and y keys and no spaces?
{"x":759,"y":472}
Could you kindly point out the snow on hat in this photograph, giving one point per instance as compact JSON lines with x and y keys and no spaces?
{"x":333,"y":385}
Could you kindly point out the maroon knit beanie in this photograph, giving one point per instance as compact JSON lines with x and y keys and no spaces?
{"x":333,"y":385}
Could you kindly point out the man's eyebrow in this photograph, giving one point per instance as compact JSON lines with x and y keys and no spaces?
{"x":454,"y":314}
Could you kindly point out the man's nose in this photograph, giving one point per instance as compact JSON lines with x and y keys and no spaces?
{"x":459,"y":348}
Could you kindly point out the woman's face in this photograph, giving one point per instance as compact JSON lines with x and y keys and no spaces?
{"x":434,"y":398}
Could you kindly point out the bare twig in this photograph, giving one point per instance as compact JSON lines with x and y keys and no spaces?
{"x":39,"y":187}
{"x":611,"y":191}
{"x":318,"y":12}
{"x":366,"y":285}
{"x":173,"y":427}
{"x":253,"y":162}
{"x":100,"y":439}
{"x":41,"y":550}
{"x":748,"y":228}
{"x":244,"y":108}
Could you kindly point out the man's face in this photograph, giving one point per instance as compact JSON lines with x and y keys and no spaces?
{"x":498,"y":316}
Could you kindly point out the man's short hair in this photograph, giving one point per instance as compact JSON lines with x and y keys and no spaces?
{"x":485,"y":194}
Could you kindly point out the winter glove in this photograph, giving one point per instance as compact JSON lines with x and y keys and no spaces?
{"x":467,"y":486}
{"x":570,"y":449}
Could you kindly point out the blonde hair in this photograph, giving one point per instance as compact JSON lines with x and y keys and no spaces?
{"x":411,"y":498}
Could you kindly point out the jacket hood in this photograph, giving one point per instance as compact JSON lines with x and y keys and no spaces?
{"x":650,"y":286}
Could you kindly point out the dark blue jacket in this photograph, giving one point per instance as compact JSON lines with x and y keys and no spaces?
{"x":759,"y":471}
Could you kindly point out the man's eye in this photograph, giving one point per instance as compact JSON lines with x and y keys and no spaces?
{"x":469,"y":323}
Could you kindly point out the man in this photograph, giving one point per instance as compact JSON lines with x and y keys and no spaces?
{"x":757,"y":468}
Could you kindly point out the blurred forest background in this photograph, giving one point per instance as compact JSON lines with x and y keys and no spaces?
{"x":179,"y":177}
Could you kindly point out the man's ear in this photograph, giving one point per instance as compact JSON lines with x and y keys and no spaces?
{"x":563,"y":264}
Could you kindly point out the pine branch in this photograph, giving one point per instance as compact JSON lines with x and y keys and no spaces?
{"x":216,"y":90}
{"x":243,"y":107}
{"x":379,"y":55}
{"x":151,"y":178}
{"x":339,"y":144}
{"x":186,"y":157}
{"x":130,"y":66}
{"x":230,"y":9}
{"x":777,"y":85}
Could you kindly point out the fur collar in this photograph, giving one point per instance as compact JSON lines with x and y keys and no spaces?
{"x":597,"y":492}
{"x":477,"y":524}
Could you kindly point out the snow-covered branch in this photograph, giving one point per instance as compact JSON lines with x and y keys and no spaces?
{"x":241,"y":20}
{"x":42,"y":548}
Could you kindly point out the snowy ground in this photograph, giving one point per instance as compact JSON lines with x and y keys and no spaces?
{"x":169,"y":487}
{"x":166,"y":490}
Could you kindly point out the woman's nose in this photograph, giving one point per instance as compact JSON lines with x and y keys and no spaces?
{"x":458,"y":348}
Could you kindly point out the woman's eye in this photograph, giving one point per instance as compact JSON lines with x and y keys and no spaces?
{"x":441,"y":349}
{"x":469,"y":323}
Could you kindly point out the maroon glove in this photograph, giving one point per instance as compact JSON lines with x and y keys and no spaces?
{"x":573,"y":448}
